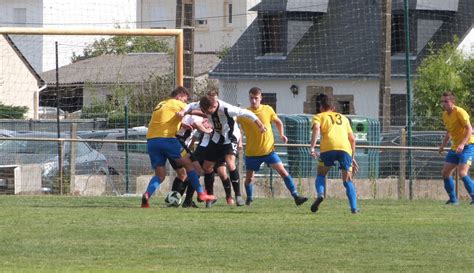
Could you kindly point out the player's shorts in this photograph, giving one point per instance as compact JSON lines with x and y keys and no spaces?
{"x":161,"y":149}
{"x":199,"y":156}
{"x":465,"y":157}
{"x":254,"y":162}
{"x":175,"y":165}
{"x":329,"y":158}
{"x":213,"y":152}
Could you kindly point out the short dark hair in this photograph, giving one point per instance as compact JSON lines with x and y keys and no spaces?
{"x":205,"y":103}
{"x":180,"y":90}
{"x":325,"y":101}
{"x":450,"y":95}
{"x":255,"y":91}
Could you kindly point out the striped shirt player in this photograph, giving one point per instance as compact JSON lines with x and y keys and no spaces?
{"x":223,"y":142}
{"x":162,"y":144}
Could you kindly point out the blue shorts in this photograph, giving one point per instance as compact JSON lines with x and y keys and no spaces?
{"x":465,"y":157}
{"x":160,"y":149}
{"x":328,"y":158}
{"x":254,"y":162}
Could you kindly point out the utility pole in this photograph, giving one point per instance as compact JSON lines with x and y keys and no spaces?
{"x":386,"y":65}
{"x":185,"y":20}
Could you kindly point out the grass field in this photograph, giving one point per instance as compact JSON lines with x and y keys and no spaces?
{"x":112,"y":234}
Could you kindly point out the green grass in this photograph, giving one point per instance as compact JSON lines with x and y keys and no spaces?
{"x":112,"y":234}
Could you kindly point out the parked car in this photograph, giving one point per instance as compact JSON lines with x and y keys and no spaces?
{"x":45,"y":153}
{"x":138,"y":159}
{"x":426,"y":164}
{"x":47,"y":112}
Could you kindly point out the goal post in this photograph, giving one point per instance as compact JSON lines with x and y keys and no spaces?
{"x":177,"y":33}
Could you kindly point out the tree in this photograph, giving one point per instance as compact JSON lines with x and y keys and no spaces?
{"x":141,"y":99}
{"x":445,"y":69}
{"x":122,"y":45}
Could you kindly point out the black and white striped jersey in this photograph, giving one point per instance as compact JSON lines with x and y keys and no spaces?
{"x":223,"y":121}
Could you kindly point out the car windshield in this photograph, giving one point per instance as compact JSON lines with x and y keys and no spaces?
{"x":29,"y":147}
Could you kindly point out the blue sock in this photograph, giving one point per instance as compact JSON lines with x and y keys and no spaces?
{"x":249,"y":190}
{"x":153,"y":185}
{"x":320,"y":184}
{"x":351,"y":194}
{"x":449,"y":187}
{"x":194,"y":178}
{"x":469,"y":185}
{"x":290,"y":185}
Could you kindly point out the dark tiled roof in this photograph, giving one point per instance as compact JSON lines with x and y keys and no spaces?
{"x":342,"y":43}
{"x":131,"y":68}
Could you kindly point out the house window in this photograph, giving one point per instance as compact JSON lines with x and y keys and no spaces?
{"x":313,"y":99}
{"x":19,"y":16}
{"x":270,"y":99}
{"x":201,"y":23}
{"x":398,"y":109}
{"x":228,"y":13}
{"x":344,"y":107}
{"x":271,"y":29}
{"x":399,"y":34}
{"x":188,"y":14}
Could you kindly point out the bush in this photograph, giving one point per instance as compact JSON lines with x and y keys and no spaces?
{"x":12,"y":112}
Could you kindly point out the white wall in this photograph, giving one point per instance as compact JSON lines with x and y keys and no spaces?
{"x":214,"y":36}
{"x":40,"y":51}
{"x":87,"y":14}
{"x":17,"y":84}
{"x":467,"y":44}
{"x":366,"y":93}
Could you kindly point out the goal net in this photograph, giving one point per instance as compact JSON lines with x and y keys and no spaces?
{"x":358,"y":52}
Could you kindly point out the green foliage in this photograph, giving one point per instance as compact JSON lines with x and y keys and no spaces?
{"x":443,"y":70}
{"x":223,"y":52}
{"x":12,"y":112}
{"x":120,"y":45}
{"x":141,"y":100}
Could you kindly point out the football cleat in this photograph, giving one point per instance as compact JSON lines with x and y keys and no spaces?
{"x":240,"y":202}
{"x":300,"y":200}
{"x":145,"y":203}
{"x":230,"y":201}
{"x":205,"y":197}
{"x":355,"y":211}
{"x":452,"y":203}
{"x":209,"y":204}
{"x":190,"y":204}
{"x":315,"y":205}
{"x":248,"y":201}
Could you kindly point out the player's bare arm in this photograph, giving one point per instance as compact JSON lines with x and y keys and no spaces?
{"x":279,"y":126}
{"x":443,"y":144}
{"x":314,"y":139}
{"x":466,"y":138}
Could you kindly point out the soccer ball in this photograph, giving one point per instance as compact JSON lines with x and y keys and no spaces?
{"x":173,"y":199}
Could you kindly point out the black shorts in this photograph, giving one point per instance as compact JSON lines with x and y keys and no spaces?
{"x":213,"y":152}
{"x":200,"y":153}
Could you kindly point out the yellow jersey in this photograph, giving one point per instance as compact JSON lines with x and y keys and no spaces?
{"x":259,"y":144}
{"x":334,"y":130}
{"x":164,"y":121}
{"x":455,"y":124}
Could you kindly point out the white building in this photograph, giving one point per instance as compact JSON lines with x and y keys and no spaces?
{"x":219,"y":23}
{"x":40,"y":51}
